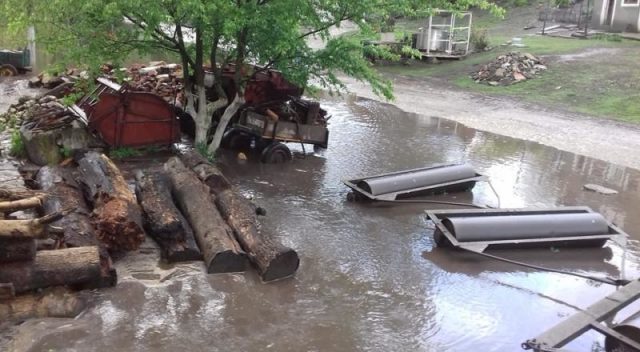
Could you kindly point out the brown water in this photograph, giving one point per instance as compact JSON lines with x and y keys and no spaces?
{"x":370,"y":277}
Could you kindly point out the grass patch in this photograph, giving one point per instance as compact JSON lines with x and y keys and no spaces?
{"x":123,"y":153}
{"x":17,"y":148}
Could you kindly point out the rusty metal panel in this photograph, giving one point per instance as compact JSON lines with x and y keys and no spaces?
{"x":131,"y":119}
{"x":286,"y":131}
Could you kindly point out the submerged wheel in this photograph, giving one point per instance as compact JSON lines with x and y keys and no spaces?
{"x":276,"y":153}
{"x":8,"y":70}
{"x":234,"y":140}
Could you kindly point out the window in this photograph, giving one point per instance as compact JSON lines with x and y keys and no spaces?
{"x":630,"y":2}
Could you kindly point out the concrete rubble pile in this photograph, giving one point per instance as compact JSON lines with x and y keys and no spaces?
{"x":508,"y":69}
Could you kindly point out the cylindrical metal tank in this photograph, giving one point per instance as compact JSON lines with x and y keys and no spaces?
{"x":520,"y":227}
{"x":416,"y":179}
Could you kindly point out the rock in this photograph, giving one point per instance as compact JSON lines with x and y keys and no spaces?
{"x":500,"y":72}
{"x":530,"y":57}
{"x":600,"y":189}
{"x":493,"y":83}
{"x":519,"y":76}
{"x":42,"y":148}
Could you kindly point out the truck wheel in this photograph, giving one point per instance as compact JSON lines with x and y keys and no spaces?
{"x":8,"y":71}
{"x":276,"y":153}
{"x":235,"y":140}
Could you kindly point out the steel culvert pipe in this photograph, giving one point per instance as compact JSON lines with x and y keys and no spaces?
{"x":416,"y":179}
{"x":520,"y":227}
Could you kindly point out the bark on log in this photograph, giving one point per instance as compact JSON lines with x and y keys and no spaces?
{"x":220,"y":250}
{"x":9,"y":194}
{"x":34,"y":228}
{"x":7,"y":291}
{"x":17,"y":249}
{"x":163,"y":221}
{"x":57,"y":302}
{"x":21,"y":204}
{"x":77,"y":229}
{"x":79,"y":267}
{"x":273,"y":260}
{"x":117,"y":216}
{"x":64,"y":192}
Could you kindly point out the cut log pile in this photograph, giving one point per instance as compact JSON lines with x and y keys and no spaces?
{"x":508,"y":69}
{"x":159,"y":78}
{"x":24,"y":269}
{"x":273,"y":260}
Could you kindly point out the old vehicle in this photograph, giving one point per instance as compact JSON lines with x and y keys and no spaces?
{"x":265,"y":128}
{"x":14,"y":62}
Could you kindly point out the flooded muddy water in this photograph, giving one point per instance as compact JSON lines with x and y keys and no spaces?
{"x":371,"y":278}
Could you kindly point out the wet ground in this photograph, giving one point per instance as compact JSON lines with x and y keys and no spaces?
{"x":371,"y":278}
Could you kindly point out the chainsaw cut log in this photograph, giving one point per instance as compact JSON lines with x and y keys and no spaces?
{"x":163,"y":221}
{"x":116,"y":215}
{"x":77,"y":229}
{"x":273,"y":260}
{"x":17,"y":249}
{"x":79,"y":267}
{"x":219,"y":248}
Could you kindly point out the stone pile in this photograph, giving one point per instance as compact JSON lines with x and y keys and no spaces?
{"x":36,"y":114}
{"x":508,"y":69}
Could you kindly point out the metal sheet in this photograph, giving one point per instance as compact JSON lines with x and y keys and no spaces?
{"x":515,"y":227}
{"x":415,"y":179}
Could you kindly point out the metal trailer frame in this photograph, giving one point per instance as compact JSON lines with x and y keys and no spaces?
{"x":262,"y":127}
{"x":591,"y":318}
{"x":436,"y":216}
{"x":353,"y":184}
{"x":448,"y":53}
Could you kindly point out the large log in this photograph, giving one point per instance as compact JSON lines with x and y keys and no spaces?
{"x":116,"y":215}
{"x":77,"y":229}
{"x":78,"y":267}
{"x":220,"y":250}
{"x":64,"y":192}
{"x":17,"y":249}
{"x":273,"y":260}
{"x":163,"y":221}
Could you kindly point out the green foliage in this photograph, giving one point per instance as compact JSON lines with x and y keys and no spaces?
{"x":479,"y":38}
{"x":65,"y":152}
{"x":203,"y":150}
{"x":612,"y":37}
{"x":17,"y":148}
{"x":124,"y":153}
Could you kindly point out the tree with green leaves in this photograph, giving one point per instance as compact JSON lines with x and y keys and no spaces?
{"x":252,"y":35}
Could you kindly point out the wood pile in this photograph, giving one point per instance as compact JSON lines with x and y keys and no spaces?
{"x":159,"y":78}
{"x":37,"y":114}
{"x":508,"y":69}
{"x":24,"y":269}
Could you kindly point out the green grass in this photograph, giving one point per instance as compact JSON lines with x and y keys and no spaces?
{"x":17,"y":148}
{"x":123,"y":153}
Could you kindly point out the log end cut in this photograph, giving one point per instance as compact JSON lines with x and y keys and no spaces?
{"x":228,"y":262}
{"x":283,"y":265}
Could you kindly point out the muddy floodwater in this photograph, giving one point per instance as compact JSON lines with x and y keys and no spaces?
{"x":371,"y":278}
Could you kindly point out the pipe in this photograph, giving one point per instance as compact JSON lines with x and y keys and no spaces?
{"x":409,"y":180}
{"x":519,"y":227}
{"x":630,"y":328}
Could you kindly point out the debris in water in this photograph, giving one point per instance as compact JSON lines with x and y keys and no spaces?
{"x":600,"y":189}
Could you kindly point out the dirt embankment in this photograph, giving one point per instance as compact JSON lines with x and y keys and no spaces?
{"x":601,"y":139}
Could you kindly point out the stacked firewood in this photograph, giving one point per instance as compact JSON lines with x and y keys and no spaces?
{"x":159,"y":78}
{"x":37,"y":114}
{"x":24,"y":268}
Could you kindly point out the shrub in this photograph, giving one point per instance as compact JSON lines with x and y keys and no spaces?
{"x":17,"y":145}
{"x":479,"y":38}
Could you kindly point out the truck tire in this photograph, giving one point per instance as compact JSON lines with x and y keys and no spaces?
{"x":276,"y":153}
{"x":7,"y":70}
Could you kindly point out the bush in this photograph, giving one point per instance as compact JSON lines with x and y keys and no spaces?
{"x":479,"y":38}
{"x":123,"y":153}
{"x":17,"y":145}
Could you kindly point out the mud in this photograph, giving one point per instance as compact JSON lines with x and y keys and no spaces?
{"x":371,"y":278}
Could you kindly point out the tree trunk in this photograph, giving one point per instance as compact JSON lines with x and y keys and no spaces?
{"x":17,"y":249}
{"x":73,"y":266}
{"x":163,"y":221}
{"x":58,"y":302}
{"x":273,"y":260}
{"x":229,"y":113}
{"x":64,"y":192}
{"x":116,"y":215}
{"x":202,"y":118}
{"x":220,"y":250}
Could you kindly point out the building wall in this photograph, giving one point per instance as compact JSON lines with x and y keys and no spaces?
{"x":625,"y":17}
